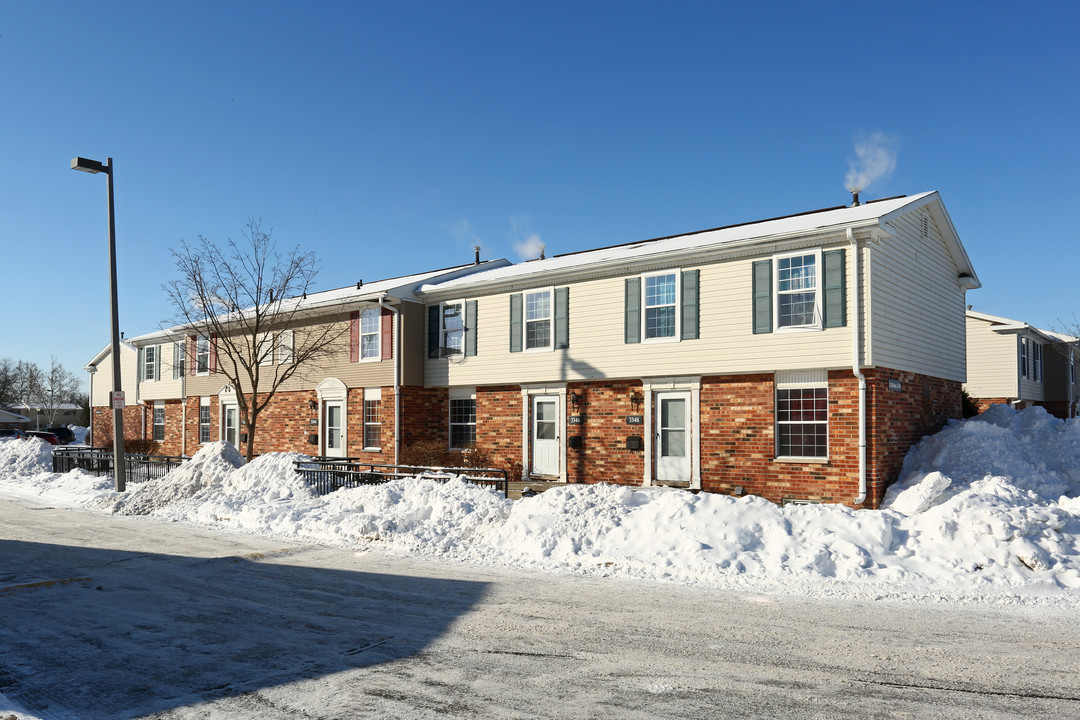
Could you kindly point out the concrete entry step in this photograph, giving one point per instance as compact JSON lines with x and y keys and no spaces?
{"x":539,"y":486}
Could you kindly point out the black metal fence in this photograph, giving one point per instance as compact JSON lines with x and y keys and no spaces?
{"x":99,"y":461}
{"x":325,"y":475}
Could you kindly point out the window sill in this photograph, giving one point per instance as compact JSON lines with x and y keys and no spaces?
{"x":800,"y":329}
{"x":371,"y":449}
{"x":804,"y":460}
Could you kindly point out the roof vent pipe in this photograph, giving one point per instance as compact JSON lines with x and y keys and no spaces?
{"x":855,"y":197}
{"x":476,"y":258}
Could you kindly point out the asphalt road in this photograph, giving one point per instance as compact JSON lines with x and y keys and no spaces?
{"x":121,"y":617}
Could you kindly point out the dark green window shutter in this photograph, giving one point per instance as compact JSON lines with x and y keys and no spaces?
{"x":515,"y":323}
{"x":470,"y":327}
{"x":689,"y":319}
{"x":139,"y":364}
{"x":834,"y":305}
{"x":633,"y":310}
{"x":562,"y":318}
{"x":433,"y":330}
{"x":762,"y":296}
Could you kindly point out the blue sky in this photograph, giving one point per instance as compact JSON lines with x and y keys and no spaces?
{"x":390,"y":138}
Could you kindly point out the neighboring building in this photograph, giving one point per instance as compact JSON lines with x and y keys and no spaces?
{"x":13,"y":420}
{"x":726,"y":360}
{"x":346,"y":407}
{"x":101,"y":385}
{"x":40,"y":417}
{"x":1012,"y":362}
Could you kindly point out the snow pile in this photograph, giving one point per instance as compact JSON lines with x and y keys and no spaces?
{"x":24,"y":457}
{"x":206,"y":468}
{"x":80,"y":433}
{"x":988,"y":510}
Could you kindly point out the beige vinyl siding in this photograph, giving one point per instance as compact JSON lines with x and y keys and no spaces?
{"x":103,"y":378}
{"x":992,"y":361}
{"x":597,"y":349}
{"x":166,"y":388}
{"x":917,"y":305}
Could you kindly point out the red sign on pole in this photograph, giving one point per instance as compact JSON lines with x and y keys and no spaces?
{"x":117,"y":399}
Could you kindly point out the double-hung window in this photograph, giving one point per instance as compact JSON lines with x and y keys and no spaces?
{"x":204,"y":420}
{"x":202,"y":355}
{"x":159,"y":421}
{"x":372,"y":422}
{"x":369,"y":334}
{"x":285,"y":347}
{"x":452,"y":332}
{"x":1024,"y":359}
{"x":150,"y":362}
{"x":1036,"y":361}
{"x":802,"y":415}
{"x":797,"y":296}
{"x":538,"y":320}
{"x":178,"y":360}
{"x":462,"y":422}
{"x":661,"y":304}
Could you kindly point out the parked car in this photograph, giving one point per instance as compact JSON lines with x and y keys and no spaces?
{"x":11,"y":433}
{"x":65,"y":434}
{"x":44,"y":435}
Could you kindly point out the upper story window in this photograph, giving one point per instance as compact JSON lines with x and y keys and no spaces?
{"x":797,"y":291}
{"x":538,"y":320}
{"x":178,"y":360}
{"x":1031,"y":356}
{"x":452,"y":329}
{"x":285,"y":347}
{"x":369,"y":334}
{"x":1037,"y":361}
{"x":265,"y":350}
{"x":662,"y":307}
{"x":661,"y":302}
{"x":452,"y":333}
{"x":150,"y":362}
{"x":202,"y":355}
{"x":804,"y":290}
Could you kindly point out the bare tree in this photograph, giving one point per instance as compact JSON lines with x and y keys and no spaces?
{"x":28,"y":381}
{"x":57,"y":387}
{"x":246,"y":295}
{"x":8,"y":382}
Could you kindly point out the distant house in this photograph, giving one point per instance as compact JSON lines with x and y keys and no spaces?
{"x":40,"y":416}
{"x":1012,"y":362}
{"x":10,"y":419}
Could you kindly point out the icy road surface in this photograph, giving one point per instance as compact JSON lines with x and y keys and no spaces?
{"x":125,"y":617}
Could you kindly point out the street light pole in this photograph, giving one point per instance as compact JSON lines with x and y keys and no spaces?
{"x":117,"y":396}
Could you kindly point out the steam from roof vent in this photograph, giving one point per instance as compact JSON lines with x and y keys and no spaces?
{"x":875,"y":159}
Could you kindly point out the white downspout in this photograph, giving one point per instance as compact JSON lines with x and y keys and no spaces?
{"x":856,"y":365}
{"x":397,"y":383}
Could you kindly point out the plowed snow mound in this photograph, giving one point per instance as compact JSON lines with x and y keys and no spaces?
{"x":25,"y":457}
{"x":210,"y":466}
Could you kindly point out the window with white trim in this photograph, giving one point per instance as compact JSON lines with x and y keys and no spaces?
{"x":178,"y":360}
{"x":802,"y":415}
{"x":159,"y":420}
{"x":204,"y":419}
{"x":285,"y":347}
{"x":452,"y":328}
{"x":202,"y":355}
{"x":462,"y":422}
{"x":798,"y":300}
{"x":369,"y":334}
{"x":372,"y":421}
{"x":537,"y":325}
{"x":660,"y":303}
{"x":150,"y":362}
{"x":1036,"y":361}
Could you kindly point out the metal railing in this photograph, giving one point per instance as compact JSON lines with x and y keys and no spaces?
{"x":99,"y":461}
{"x":325,"y":475}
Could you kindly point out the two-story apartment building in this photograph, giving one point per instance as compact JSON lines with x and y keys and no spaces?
{"x":796,"y":358}
{"x":1012,"y":362}
{"x":350,"y":403}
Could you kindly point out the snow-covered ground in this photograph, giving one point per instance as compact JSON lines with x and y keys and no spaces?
{"x":987,"y":511}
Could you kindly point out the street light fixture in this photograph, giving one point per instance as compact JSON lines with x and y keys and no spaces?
{"x":117,"y":396}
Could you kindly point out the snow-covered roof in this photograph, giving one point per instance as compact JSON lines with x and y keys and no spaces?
{"x":720,"y":240}
{"x":104,"y":352}
{"x":11,"y":417}
{"x":400,"y":288}
{"x":1006,"y":326}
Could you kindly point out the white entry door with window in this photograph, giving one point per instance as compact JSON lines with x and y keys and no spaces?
{"x":673,"y":436}
{"x":545,"y":435}
{"x":231,"y":424}
{"x":333,"y":435}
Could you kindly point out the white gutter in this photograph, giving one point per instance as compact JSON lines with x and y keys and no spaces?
{"x":397,"y":376}
{"x":856,"y":365}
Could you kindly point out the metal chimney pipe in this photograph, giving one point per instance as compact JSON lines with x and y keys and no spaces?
{"x":855,"y":197}
{"x":476,"y":249}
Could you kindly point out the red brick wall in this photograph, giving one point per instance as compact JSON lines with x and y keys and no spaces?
{"x":355,"y":422}
{"x":101,"y":424}
{"x":603,"y":456}
{"x":425,"y":415}
{"x":498,"y":421}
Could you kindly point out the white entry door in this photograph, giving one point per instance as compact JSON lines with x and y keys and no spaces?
{"x":545,"y":435}
{"x":673,"y":436}
{"x":232,"y":424}
{"x":332,"y":430}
